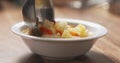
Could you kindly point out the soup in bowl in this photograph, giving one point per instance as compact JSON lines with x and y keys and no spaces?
{"x":61,"y":48}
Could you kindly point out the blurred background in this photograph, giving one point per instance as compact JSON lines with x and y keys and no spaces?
{"x":78,"y":4}
{"x":112,"y":6}
{"x":71,"y":3}
{"x":60,"y":3}
{"x":75,"y":4}
{"x":78,"y":9}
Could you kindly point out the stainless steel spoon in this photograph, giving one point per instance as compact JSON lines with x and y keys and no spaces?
{"x":36,"y":11}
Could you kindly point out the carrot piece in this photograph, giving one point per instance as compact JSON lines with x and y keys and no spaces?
{"x":74,"y":33}
{"x":45,"y":30}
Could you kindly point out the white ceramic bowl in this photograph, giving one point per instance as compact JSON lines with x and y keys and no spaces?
{"x":58,"y":48}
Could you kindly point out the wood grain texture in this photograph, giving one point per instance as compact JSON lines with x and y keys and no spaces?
{"x":106,"y":49}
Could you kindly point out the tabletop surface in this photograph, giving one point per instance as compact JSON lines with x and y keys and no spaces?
{"x":105,"y":50}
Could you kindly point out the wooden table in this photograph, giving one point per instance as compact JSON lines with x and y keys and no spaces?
{"x":105,"y":50}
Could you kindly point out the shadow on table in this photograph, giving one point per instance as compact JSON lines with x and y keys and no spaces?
{"x":90,"y":57}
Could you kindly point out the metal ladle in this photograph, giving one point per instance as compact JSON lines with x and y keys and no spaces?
{"x":37,"y":11}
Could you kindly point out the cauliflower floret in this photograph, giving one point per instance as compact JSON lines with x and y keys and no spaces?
{"x":82,"y":32}
{"x":66,"y":34}
{"x":61,"y":26}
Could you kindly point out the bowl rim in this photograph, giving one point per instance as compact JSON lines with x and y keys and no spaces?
{"x":20,"y":24}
